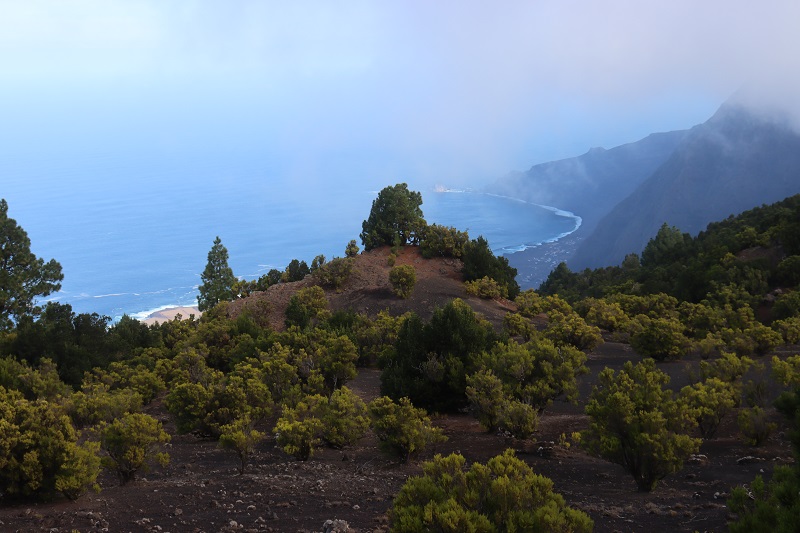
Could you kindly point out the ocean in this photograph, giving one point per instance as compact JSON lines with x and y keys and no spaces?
{"x":132,"y":232}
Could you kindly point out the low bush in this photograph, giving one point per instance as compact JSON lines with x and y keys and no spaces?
{"x":39,"y":451}
{"x":335,"y":272}
{"x":132,"y":444}
{"x":242,"y":438}
{"x":504,"y":495}
{"x":402,"y":428}
{"x":660,"y":338}
{"x":486,"y":288}
{"x":403,"y":278}
{"x":755,"y":426}
{"x":442,"y":241}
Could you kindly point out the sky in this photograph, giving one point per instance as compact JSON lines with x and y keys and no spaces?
{"x":456,"y":92}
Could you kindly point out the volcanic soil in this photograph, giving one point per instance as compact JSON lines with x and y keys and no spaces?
{"x":202,"y":491}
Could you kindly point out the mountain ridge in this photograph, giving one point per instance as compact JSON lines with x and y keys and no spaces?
{"x":734,"y":161}
{"x":574,"y":184}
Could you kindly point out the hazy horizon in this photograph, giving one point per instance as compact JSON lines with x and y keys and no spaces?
{"x":187,"y":113}
{"x":447,"y":92}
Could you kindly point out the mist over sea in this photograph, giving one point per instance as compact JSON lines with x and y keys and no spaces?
{"x":132,"y":231}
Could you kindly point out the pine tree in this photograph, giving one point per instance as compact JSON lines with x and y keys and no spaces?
{"x":218,"y":278}
{"x":23,"y":276}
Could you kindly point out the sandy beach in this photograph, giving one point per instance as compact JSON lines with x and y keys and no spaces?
{"x":170,"y":313}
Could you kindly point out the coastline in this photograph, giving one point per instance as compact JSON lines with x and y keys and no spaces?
{"x":165,"y":315}
{"x":535,"y":264}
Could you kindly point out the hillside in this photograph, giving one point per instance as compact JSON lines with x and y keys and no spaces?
{"x":734,"y":161}
{"x":268,"y":428}
{"x":201,"y":489}
{"x":367,"y":290}
{"x":590,"y":185}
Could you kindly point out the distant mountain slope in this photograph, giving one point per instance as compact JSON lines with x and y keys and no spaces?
{"x":590,"y":185}
{"x":733,"y":162}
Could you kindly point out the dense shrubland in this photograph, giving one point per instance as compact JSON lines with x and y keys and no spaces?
{"x":73,"y":387}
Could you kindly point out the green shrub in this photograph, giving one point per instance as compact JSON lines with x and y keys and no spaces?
{"x":762,"y":507}
{"x":504,"y":495}
{"x":430,"y":361}
{"x":317,"y":263}
{"x":240,"y":437}
{"x":129,"y":374}
{"x":709,"y":401}
{"x":306,"y":305}
{"x":787,"y":305}
{"x":189,"y":404}
{"x":221,"y":399}
{"x":755,"y":426}
{"x":789,"y":329}
{"x":403,"y":278}
{"x":518,"y":419}
{"x":728,"y":367}
{"x":606,"y":315}
{"x":529,"y":303}
{"x":487,"y":398}
{"x":442,"y":241}
{"x":480,"y":261}
{"x":39,"y":451}
{"x":402,"y":429}
{"x":486,"y":288}
{"x":660,"y":338}
{"x":767,"y":508}
{"x":635,"y":422}
{"x":337,"y":421}
{"x":788,"y":271}
{"x":132,"y":443}
{"x":570,"y":329}
{"x":351,"y":250}
{"x":40,"y":383}
{"x":762,"y":339}
{"x":537,"y":372}
{"x":375,"y":338}
{"x":95,"y":403}
{"x":335,"y":272}
{"x":299,"y":429}
{"x":516,"y":325}
{"x":787,"y":371}
{"x":345,"y":419}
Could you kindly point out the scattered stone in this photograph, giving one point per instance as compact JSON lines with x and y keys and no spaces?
{"x":335,"y":526}
{"x":748,"y":459}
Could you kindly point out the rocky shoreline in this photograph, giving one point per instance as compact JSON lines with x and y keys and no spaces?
{"x":535,"y":264}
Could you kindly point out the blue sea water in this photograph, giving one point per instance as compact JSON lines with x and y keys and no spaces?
{"x":132,"y":231}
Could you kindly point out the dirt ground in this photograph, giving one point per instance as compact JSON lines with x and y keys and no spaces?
{"x":201,"y":491}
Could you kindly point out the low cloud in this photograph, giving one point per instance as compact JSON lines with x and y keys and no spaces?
{"x":442,"y":90}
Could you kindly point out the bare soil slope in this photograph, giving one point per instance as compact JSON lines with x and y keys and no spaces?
{"x":368,"y":290}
